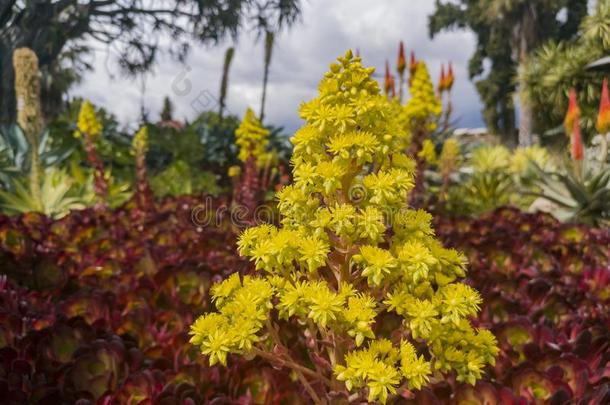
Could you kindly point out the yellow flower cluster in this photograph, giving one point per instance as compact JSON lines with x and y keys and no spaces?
{"x":424,"y":107}
{"x":234,"y":171}
{"x":139,"y":144}
{"x":87,"y":123}
{"x":450,"y":157}
{"x":251,"y":137}
{"x":349,"y":251}
{"x":243,"y":308}
{"x":428,"y":152}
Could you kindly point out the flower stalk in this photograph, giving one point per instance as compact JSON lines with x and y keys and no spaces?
{"x":29,"y":113}
{"x":90,"y":129}
{"x":144,"y":197}
{"x":603,"y":122}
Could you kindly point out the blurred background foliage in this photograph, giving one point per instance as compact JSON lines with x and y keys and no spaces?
{"x":558,"y":66}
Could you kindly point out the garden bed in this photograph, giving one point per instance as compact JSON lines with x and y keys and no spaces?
{"x":96,"y":307}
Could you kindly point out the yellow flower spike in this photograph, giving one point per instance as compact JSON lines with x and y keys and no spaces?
{"x":139,"y":143}
{"x":251,"y":137}
{"x":87,"y":123}
{"x":424,"y":107}
{"x":448,"y":162}
{"x":428,"y":152}
{"x":349,"y":251}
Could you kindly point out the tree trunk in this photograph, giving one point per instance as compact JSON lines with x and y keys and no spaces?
{"x":269,"y":39}
{"x":225,"y":79}
{"x":526,"y":42}
{"x":525,"y":120}
{"x":36,"y":26}
{"x":8,"y":106}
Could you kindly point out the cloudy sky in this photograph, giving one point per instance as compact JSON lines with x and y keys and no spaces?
{"x":301,"y":56}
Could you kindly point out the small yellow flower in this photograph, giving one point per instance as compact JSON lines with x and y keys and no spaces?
{"x":88,"y":123}
{"x":234,"y":171}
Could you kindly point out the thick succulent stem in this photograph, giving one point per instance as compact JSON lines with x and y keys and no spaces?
{"x":247,"y":195}
{"x":143,"y":192}
{"x":100,"y":185}
{"x":35,"y":170}
{"x":416,"y":194}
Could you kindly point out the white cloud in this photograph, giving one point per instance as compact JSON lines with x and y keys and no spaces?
{"x":300,"y":58}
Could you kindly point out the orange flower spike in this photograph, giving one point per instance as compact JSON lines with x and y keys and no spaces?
{"x":442,"y":80}
{"x":412,"y":64}
{"x":387,"y":82}
{"x":573,"y":114}
{"x":450,"y":78}
{"x":402,"y":61}
{"x":578,"y":150}
{"x":603,"y":118}
{"x":392,"y":86}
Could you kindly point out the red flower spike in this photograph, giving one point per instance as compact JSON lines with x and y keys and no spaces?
{"x":577,"y":145}
{"x":603,"y":118}
{"x":573,"y":114}
{"x":392,"y":86}
{"x":402,"y":62}
{"x":412,"y":63}
{"x":450,"y":78}
{"x":387,"y":82}
{"x":442,"y":79}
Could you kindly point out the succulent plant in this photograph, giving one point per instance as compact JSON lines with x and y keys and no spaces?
{"x":94,"y":308}
{"x":579,"y":193}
